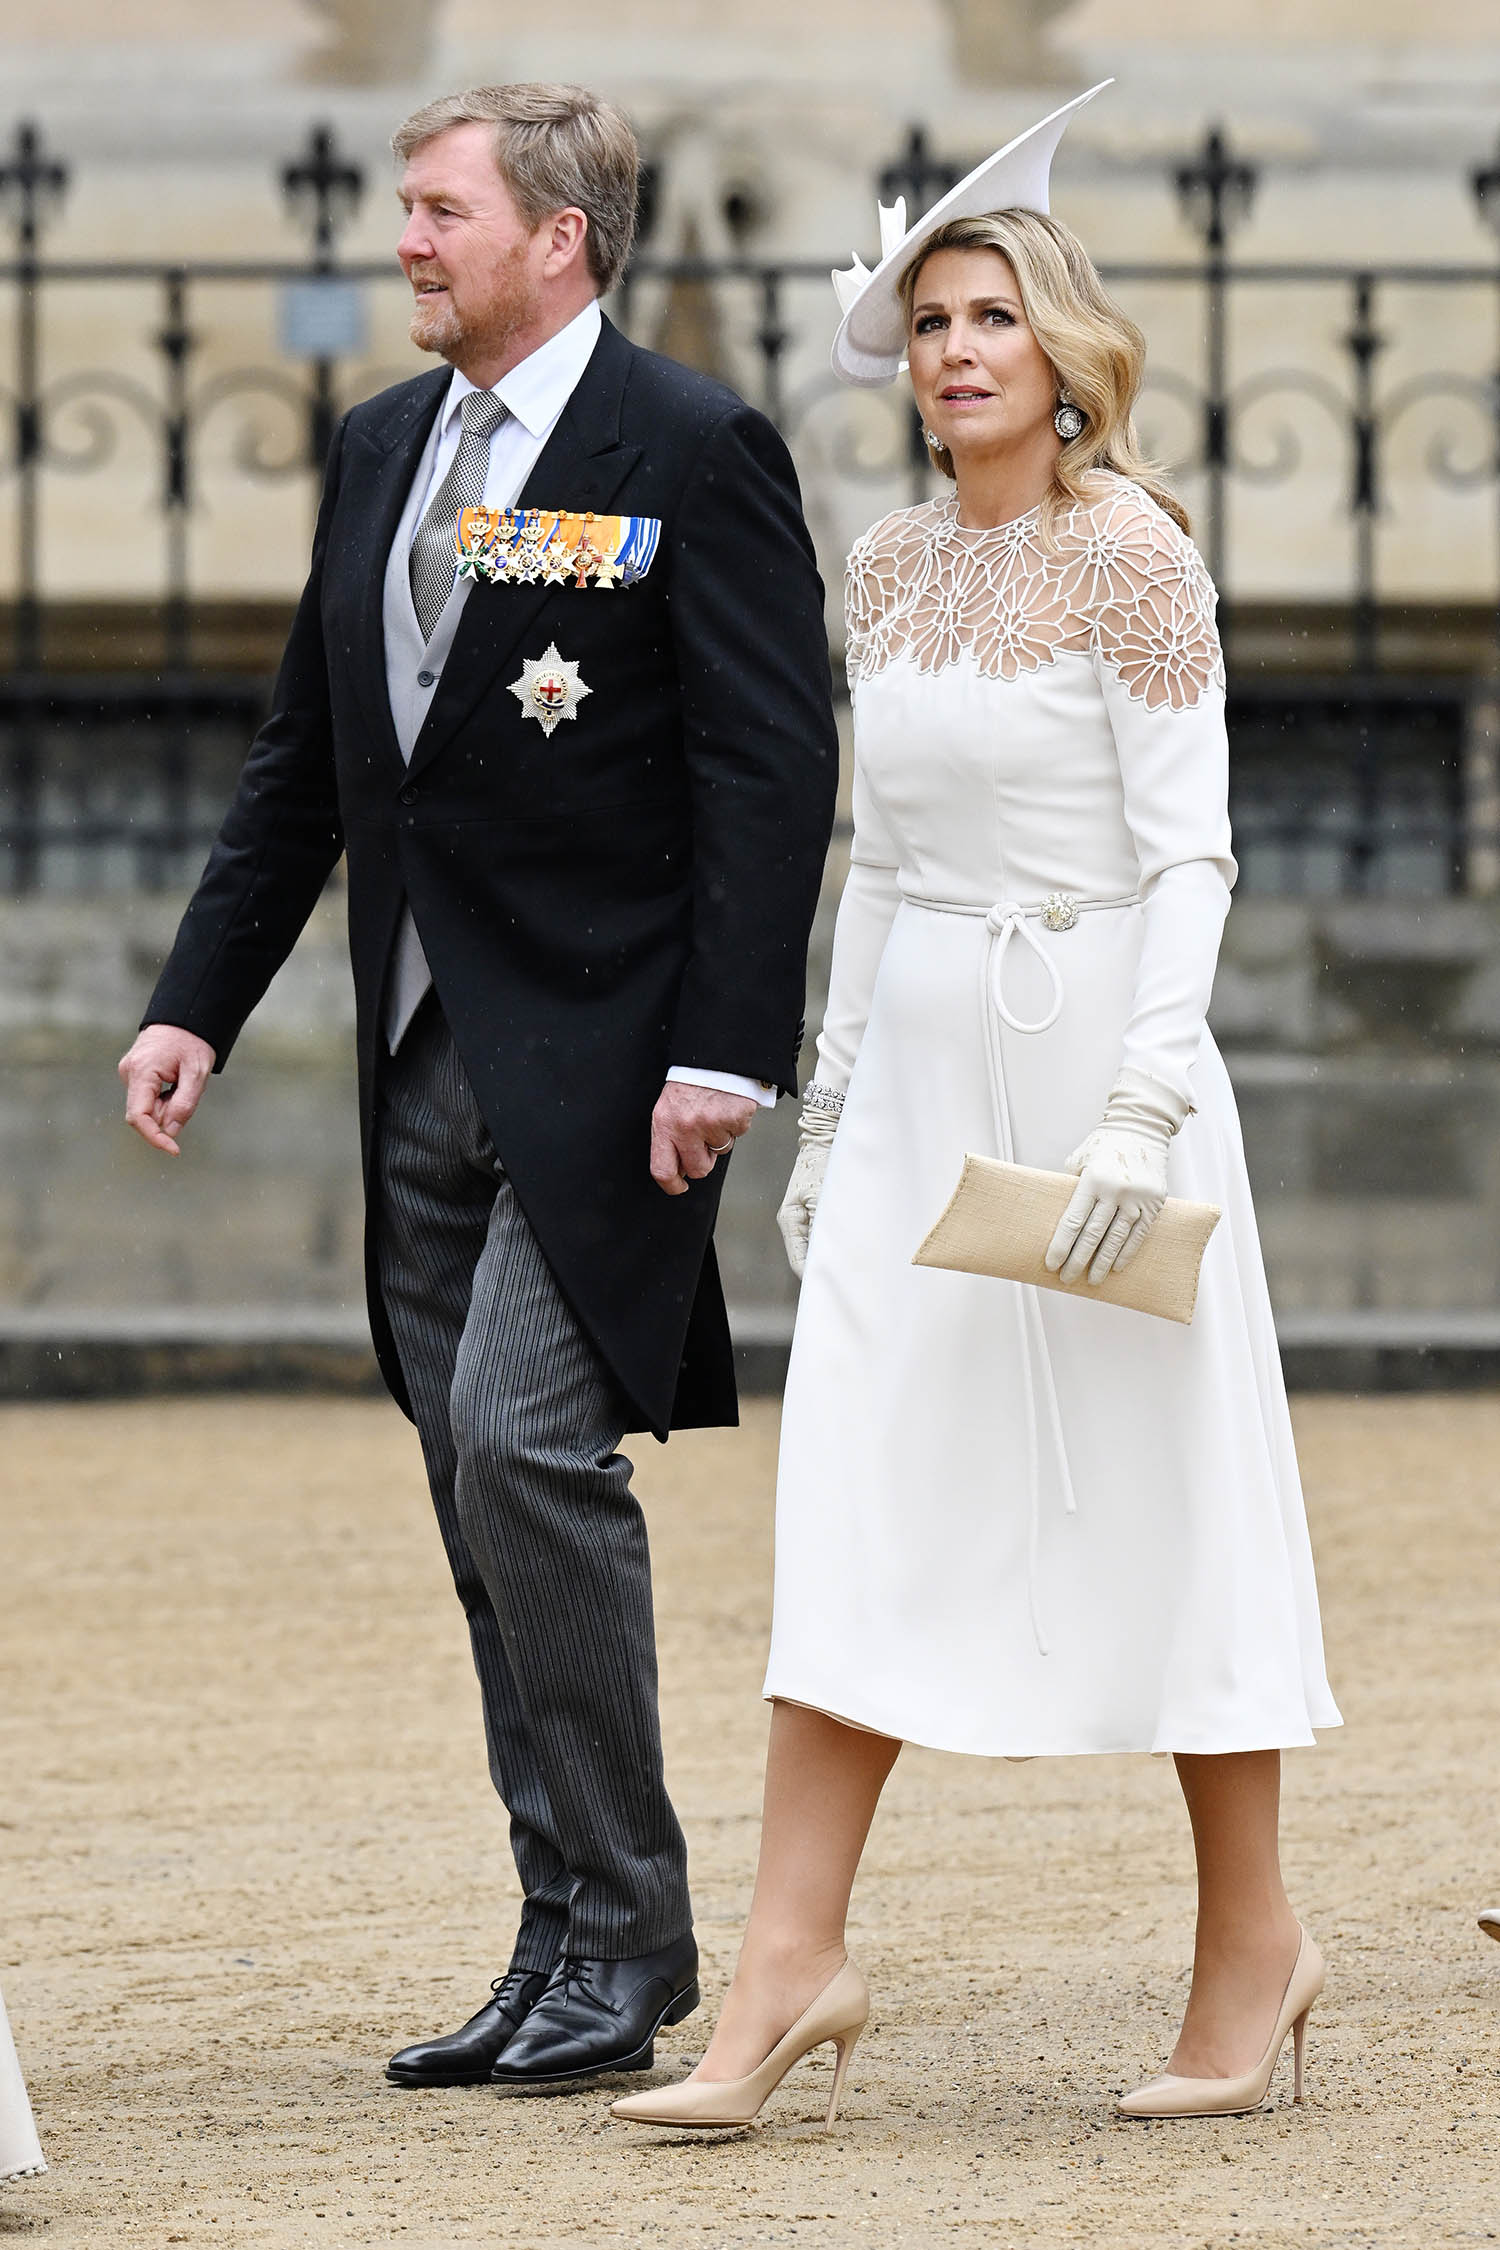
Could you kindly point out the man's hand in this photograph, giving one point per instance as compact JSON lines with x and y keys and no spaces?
{"x":165,"y":1073}
{"x":691,"y":1128}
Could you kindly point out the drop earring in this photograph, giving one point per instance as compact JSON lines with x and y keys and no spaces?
{"x":1068,"y":419}
{"x":935,"y":443}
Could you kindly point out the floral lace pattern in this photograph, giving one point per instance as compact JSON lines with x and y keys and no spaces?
{"x":1120,"y":582}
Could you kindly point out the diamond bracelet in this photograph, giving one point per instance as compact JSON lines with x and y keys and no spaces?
{"x":827,"y":1101}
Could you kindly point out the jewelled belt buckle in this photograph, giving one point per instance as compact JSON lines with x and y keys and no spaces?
{"x":1059,"y":911}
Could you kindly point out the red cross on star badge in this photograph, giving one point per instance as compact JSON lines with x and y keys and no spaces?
{"x":549,"y":689}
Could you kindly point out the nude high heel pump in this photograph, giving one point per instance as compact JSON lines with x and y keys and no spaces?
{"x":1229,"y":2097}
{"x":839,"y":2014}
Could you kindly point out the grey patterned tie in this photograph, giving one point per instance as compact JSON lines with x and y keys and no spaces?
{"x":434,"y":553}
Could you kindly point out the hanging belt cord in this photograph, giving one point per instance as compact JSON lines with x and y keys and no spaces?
{"x":1003,"y":924}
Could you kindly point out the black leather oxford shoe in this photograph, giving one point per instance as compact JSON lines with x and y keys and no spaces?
{"x":597,"y":2016}
{"x":466,"y":2058}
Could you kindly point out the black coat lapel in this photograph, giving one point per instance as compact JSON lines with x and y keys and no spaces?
{"x":383,"y":460}
{"x":582,"y":465}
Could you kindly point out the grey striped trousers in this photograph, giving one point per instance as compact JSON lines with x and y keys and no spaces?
{"x":520,"y":1422}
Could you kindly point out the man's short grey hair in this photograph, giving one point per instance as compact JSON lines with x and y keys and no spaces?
{"x":557,"y":148}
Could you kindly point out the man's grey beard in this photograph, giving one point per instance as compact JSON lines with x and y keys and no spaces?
{"x":437,"y":328}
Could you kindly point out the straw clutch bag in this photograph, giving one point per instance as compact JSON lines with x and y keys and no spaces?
{"x":1001,"y":1217}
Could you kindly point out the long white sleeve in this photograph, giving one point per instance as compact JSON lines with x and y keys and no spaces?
{"x":866,"y":912}
{"x":1158,"y":662}
{"x":871,"y":895}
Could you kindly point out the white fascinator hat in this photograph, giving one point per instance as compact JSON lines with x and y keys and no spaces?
{"x":871,"y":342}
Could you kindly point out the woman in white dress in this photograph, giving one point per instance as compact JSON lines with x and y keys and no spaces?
{"x":1014,"y":1522}
{"x":20,"y":2150}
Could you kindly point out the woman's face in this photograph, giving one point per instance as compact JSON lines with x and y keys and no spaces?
{"x":982,"y":382}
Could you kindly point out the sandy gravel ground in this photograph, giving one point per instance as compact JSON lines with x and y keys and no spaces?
{"x":248,"y":1848}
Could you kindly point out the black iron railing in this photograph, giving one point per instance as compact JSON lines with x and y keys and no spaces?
{"x":1384,"y":404}
{"x":117,"y":781}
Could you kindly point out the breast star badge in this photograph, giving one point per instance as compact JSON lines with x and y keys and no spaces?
{"x":549,"y":689}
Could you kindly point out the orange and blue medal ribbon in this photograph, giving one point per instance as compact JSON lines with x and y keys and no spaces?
{"x":555,"y":547}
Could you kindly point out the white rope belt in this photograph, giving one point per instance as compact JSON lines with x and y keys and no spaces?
{"x":1003,"y":924}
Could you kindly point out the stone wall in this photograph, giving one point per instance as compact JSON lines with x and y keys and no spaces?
{"x":1364,"y":1040}
{"x":1298,"y":977}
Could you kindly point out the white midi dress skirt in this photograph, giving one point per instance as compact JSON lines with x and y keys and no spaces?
{"x":940,"y":1580}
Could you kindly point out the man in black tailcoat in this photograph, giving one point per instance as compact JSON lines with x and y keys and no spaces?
{"x":558,"y":688}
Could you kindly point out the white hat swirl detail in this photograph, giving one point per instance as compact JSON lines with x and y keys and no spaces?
{"x":871,"y":341}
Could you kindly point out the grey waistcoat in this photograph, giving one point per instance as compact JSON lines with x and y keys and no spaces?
{"x":406,"y":657}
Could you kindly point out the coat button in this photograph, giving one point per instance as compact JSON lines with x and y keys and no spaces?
{"x":426,"y":679}
{"x":409,"y":794}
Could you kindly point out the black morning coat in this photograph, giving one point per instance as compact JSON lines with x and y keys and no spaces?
{"x":635,"y":891}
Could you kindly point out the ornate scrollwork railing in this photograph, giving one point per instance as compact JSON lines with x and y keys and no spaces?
{"x":218,"y":425}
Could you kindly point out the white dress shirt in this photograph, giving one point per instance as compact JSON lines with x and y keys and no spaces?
{"x":535,"y":393}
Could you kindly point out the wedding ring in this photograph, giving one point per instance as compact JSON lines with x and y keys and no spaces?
{"x":723,"y":1151}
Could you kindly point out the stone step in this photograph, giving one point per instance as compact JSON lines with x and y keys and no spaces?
{"x":54,"y":1353}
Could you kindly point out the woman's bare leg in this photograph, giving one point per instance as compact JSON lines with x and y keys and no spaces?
{"x":823,"y":1782}
{"x":1247,"y":1935}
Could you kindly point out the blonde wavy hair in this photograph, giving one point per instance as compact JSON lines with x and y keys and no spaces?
{"x":1098,"y":355}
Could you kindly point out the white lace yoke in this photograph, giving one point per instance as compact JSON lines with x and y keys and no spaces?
{"x":1118,"y":582}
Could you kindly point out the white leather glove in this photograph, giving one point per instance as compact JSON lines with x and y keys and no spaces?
{"x":1122,"y":1179}
{"x":818,"y":1123}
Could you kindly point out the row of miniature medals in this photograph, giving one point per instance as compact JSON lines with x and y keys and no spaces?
{"x":553,"y":547}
